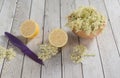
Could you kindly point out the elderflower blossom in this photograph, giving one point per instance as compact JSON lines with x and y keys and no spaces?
{"x":86,"y":19}
{"x":9,"y":54}
{"x":46,"y":51}
{"x":78,"y":53}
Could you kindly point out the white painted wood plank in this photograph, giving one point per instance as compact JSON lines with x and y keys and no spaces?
{"x":108,"y":50}
{"x":1,"y":4}
{"x":52,"y":68}
{"x":32,"y":69}
{"x":12,"y":69}
{"x":6,"y":15}
{"x":92,"y":67}
{"x":81,"y":3}
{"x":114,"y":14}
{"x":6,"y":22}
{"x":70,"y":70}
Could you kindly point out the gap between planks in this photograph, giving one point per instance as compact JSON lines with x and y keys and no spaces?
{"x":7,"y":43}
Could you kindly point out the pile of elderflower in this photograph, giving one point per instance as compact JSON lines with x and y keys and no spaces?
{"x":46,"y":51}
{"x":9,"y":54}
{"x":78,"y":54}
{"x":86,"y":19}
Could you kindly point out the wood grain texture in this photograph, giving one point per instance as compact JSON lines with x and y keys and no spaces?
{"x":1,"y":4}
{"x":52,"y":68}
{"x":69,"y":69}
{"x":6,"y":16}
{"x":92,"y":67}
{"x":13,"y":69}
{"x":32,"y":69}
{"x":52,"y":14}
{"x":114,"y":17}
{"x":107,"y":46}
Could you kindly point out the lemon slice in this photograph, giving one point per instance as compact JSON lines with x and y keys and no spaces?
{"x":29,"y":29}
{"x":58,"y":37}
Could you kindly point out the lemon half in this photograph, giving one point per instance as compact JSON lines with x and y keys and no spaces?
{"x":58,"y":37}
{"x":29,"y":29}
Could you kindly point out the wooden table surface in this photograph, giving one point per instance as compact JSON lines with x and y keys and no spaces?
{"x":50,"y":14}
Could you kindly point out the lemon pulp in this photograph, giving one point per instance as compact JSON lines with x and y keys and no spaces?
{"x":58,"y":38}
{"x":29,"y":29}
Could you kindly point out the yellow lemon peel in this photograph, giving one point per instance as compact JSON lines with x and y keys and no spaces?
{"x":58,"y":37}
{"x":29,"y":29}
